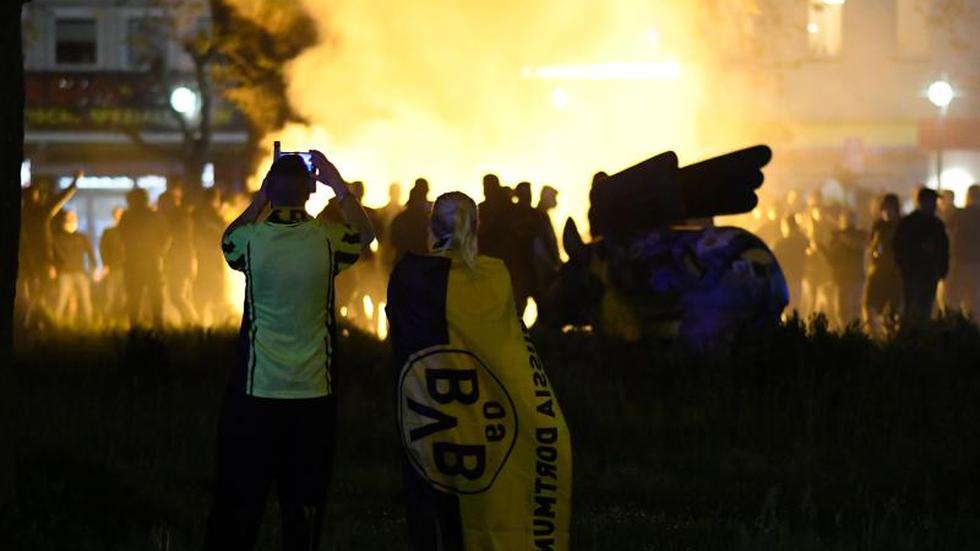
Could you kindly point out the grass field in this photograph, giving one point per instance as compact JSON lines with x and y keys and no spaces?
{"x":807,"y":440}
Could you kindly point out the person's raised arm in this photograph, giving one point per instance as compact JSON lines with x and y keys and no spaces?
{"x":62,"y":198}
{"x":349,"y":206}
{"x":252,"y":213}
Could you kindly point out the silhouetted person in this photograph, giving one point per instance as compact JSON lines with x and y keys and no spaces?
{"x":845,"y":255}
{"x":374,"y":215}
{"x":113,"y":255}
{"x":494,"y":221}
{"x":818,"y":278}
{"x":546,"y":257}
{"x":883,"y":290}
{"x":331,"y":212}
{"x":40,"y":206}
{"x":71,"y":250}
{"x":520,"y":245}
{"x":355,"y":283}
{"x":790,"y":251}
{"x":964,"y":236}
{"x":209,"y":286}
{"x":278,"y":420}
{"x":180,"y":260}
{"x":145,"y":237}
{"x":410,"y":229}
{"x":922,"y":255}
{"x":595,"y":227}
{"x":394,"y":204}
{"x":946,"y":206}
{"x":770,"y":228}
{"x":387,"y":215}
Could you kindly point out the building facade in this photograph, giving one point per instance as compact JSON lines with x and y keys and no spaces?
{"x":845,"y":94}
{"x":111,"y":89}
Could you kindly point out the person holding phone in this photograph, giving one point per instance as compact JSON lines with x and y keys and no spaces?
{"x":278,"y":418}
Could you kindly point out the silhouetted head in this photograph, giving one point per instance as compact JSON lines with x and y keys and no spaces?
{"x":176,"y":194}
{"x":289,"y":182}
{"x":947,"y":199}
{"x":69,"y":221}
{"x":419,"y":194}
{"x":357,"y":188}
{"x":788,"y":226}
{"x":926,"y":200}
{"x":548,"y":199}
{"x":212,"y":198}
{"x":45,"y":184}
{"x":813,"y":199}
{"x":973,"y":196}
{"x":792,"y":198}
{"x":137,"y":198}
{"x":33,"y":195}
{"x":395,"y":193}
{"x":491,"y":186}
{"x":772,"y":213}
{"x":890,"y":208}
{"x":523,"y":193}
{"x":165,"y":203}
{"x":599,"y":177}
{"x":453,"y":226}
{"x":506,"y":194}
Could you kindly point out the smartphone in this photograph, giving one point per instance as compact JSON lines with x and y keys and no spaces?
{"x":305,"y":155}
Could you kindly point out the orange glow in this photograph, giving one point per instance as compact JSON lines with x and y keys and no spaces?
{"x":455,"y":90}
{"x":531,"y":90}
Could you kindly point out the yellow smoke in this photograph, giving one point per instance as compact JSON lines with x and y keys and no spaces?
{"x":536,"y":90}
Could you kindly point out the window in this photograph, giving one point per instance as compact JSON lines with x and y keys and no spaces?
{"x":75,"y":42}
{"x":912,"y":28}
{"x":146,"y":42}
{"x":825,"y":27}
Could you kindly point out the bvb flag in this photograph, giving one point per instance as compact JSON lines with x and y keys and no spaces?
{"x":487,"y":462}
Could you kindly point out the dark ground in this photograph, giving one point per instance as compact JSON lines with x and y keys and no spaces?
{"x":807,"y":441}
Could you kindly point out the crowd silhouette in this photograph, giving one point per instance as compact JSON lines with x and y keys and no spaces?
{"x":865,"y":261}
{"x":159,"y":265}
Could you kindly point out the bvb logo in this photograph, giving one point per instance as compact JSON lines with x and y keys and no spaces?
{"x":457,"y":421}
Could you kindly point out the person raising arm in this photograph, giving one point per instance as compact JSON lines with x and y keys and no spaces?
{"x":327,"y":173}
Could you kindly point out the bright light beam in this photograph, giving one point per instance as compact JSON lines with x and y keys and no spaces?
{"x":647,"y":70}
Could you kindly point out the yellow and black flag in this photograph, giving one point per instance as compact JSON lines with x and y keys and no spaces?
{"x":488,"y":457}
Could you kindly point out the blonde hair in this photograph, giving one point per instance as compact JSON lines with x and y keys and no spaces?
{"x":453,"y":227}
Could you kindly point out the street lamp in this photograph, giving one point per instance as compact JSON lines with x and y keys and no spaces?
{"x":940,"y":94}
{"x":184,"y":101}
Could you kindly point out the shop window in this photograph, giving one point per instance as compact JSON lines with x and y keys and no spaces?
{"x":825,"y":27}
{"x":76,"y":41}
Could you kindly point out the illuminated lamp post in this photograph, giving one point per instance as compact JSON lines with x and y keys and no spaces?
{"x":185,"y":101}
{"x":940,"y":94}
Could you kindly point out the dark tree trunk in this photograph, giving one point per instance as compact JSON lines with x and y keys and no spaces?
{"x":11,"y":157}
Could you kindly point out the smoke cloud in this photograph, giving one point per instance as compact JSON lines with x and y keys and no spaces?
{"x":537,"y":90}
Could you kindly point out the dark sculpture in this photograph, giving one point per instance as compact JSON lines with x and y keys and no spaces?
{"x":652,"y":273}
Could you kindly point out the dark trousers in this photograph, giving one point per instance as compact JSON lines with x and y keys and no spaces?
{"x":261,"y":440}
{"x":141,"y":281}
{"x":433,"y":516}
{"x":920,"y":297}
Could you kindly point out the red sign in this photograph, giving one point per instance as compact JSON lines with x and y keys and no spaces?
{"x":107,"y":101}
{"x":949,"y":134}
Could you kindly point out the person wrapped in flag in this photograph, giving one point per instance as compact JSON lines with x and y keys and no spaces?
{"x":487,"y":454}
